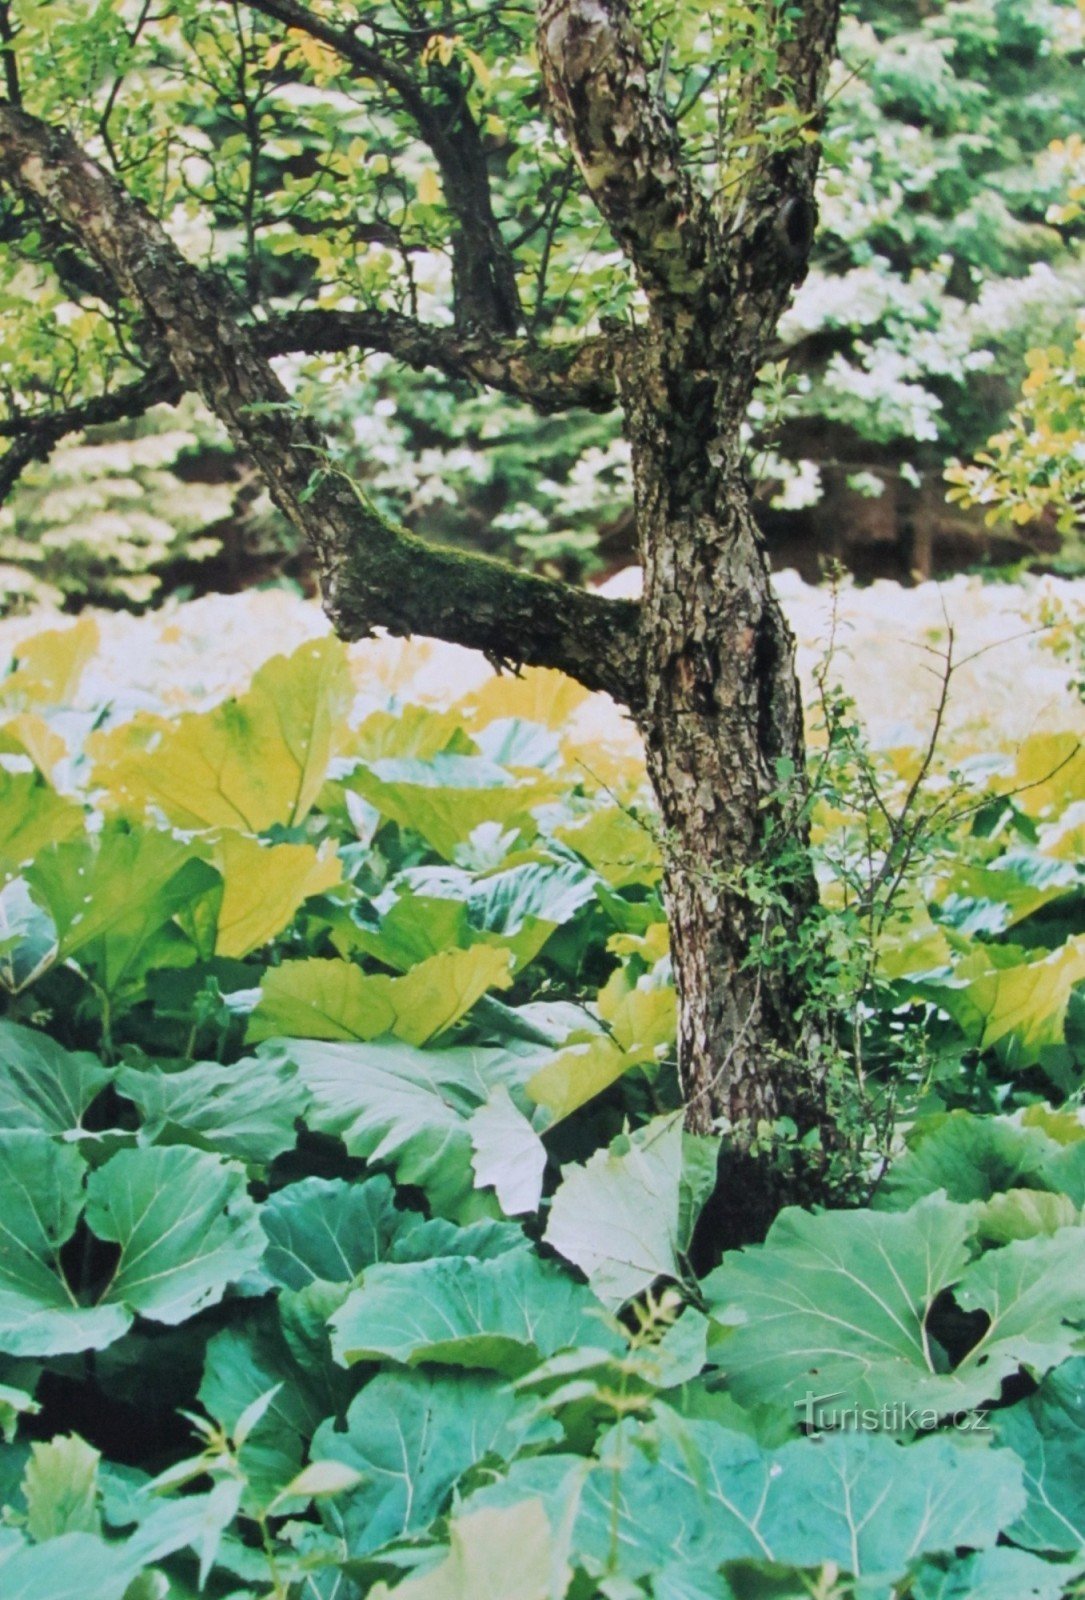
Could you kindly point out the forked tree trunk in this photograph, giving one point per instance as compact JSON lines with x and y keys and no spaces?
{"x":707,"y":663}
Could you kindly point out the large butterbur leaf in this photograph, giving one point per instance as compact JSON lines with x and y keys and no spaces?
{"x":319,"y":999}
{"x":412,"y":1436}
{"x":509,"y":1155}
{"x":864,"y":1502}
{"x":327,"y":1231}
{"x":1046,"y":1432}
{"x":124,"y":902}
{"x":975,"y":1158}
{"x":618,"y":1216}
{"x":478,"y":1561}
{"x":252,"y":762}
{"x":840,"y":1306}
{"x":249,"y":1109}
{"x":640,"y":1019}
{"x":1013,"y":998}
{"x":32,"y":815}
{"x":49,"y":665}
{"x":181,"y":1222}
{"x":391,"y":1102}
{"x":41,"y":1200}
{"x":62,"y":1569}
{"x":184,"y":1224}
{"x":263,"y":886}
{"x":502,"y":1315}
{"x":42,"y":1085}
{"x":446,"y":798}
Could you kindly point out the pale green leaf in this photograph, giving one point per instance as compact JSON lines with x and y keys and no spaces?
{"x":617,"y":1217}
{"x":60,"y":1487}
{"x":509,"y":1156}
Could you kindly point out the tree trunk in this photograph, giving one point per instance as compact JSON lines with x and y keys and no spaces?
{"x":723,"y":729}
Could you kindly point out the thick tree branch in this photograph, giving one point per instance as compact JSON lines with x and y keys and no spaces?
{"x":624,"y":141}
{"x":373,"y":573}
{"x":550,"y":378}
{"x":483,"y":273}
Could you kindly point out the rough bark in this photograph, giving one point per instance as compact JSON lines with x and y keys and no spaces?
{"x":722,"y":705}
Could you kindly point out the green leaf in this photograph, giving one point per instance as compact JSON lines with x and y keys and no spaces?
{"x":44,"y":1086}
{"x":413,"y":928}
{"x":319,"y":999}
{"x":999,"y":1574}
{"x":1047,"y":1434}
{"x":862,"y":1501}
{"x":28,"y":939}
{"x":253,"y":1386}
{"x":328,"y":1231}
{"x":390,"y":1102}
{"x":978,"y":1158}
{"x":412,"y":1436}
{"x":60,"y":1569}
{"x":447,"y":797}
{"x":838,"y":1306}
{"x":185,"y":1226}
{"x":503,"y":1314}
{"x":509,"y":1156}
{"x":14,"y":1403}
{"x":1024,"y":1214}
{"x":248,"y":1109}
{"x":478,"y":1561}
{"x":251,"y":762}
{"x":117,"y":899}
{"x":60,"y":1487}
{"x":617,"y":1217}
{"x":41,"y":1199}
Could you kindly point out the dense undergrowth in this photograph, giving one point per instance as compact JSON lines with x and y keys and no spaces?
{"x":347,"y":1217}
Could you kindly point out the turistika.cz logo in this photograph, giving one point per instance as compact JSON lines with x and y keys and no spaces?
{"x":819,"y":1415}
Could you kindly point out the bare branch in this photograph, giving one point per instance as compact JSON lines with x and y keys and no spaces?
{"x":373,"y":573}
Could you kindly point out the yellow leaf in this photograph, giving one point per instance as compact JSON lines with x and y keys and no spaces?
{"x":429,"y":188}
{"x":251,"y":762}
{"x":319,"y":999}
{"x":1049,"y":773}
{"x":641,"y":1021}
{"x":620,"y":848}
{"x":537,"y":694}
{"x":50,"y":665}
{"x":32,"y":815}
{"x":264,"y":886}
{"x":1030,"y":1000}
{"x":576,"y":1075}
{"x":28,"y":734}
{"x":479,"y":68}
